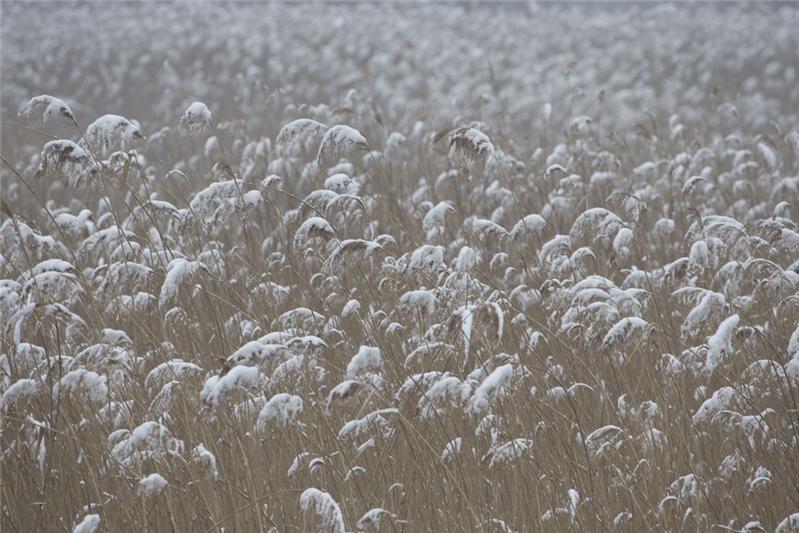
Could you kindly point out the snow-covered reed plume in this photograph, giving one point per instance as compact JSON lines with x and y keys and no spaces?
{"x":376,"y":520}
{"x":300,"y":138}
{"x":54,"y":108}
{"x":509,"y":452}
{"x":469,"y":146}
{"x":152,"y":485}
{"x":196,"y":119}
{"x":366,"y":360}
{"x":18,"y":392}
{"x":112,"y":132}
{"x":328,"y":517}
{"x":66,"y":160}
{"x":340,"y":142}
{"x":280,"y":411}
{"x":179,"y":272}
{"x":88,"y":524}
{"x":205,"y":458}
{"x":217,"y":389}
{"x":720,"y":343}
{"x":83,"y":384}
